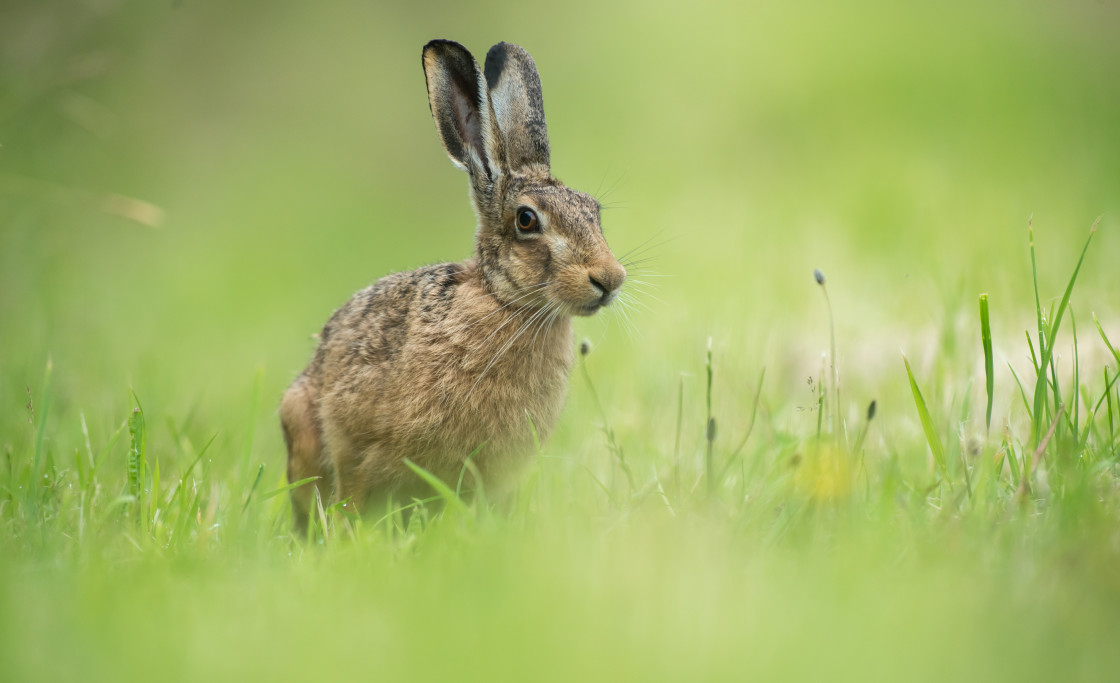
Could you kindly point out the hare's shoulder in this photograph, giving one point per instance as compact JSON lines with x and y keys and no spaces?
{"x":374,"y":324}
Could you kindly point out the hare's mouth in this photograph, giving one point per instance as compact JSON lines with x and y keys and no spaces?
{"x":589,"y":309}
{"x":592,"y":307}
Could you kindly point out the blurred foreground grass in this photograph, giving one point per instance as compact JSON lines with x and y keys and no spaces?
{"x":187,"y":190}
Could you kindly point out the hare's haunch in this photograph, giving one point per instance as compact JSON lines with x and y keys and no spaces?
{"x":441,"y":362}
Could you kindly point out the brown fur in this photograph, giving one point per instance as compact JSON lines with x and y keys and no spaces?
{"x":435,"y":364}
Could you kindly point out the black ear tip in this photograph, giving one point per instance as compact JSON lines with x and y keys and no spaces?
{"x":446,"y":48}
{"x":496,"y":59}
{"x":499,"y":57}
{"x":503,"y":51}
{"x":441,"y":42}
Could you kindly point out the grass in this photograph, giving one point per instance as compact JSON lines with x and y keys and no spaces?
{"x":804,"y":558}
{"x":745,"y":482}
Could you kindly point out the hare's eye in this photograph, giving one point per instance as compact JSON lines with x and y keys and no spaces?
{"x":527,"y":220}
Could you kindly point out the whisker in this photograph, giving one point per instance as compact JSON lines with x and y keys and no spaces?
{"x":612,"y":315}
{"x":634,"y":263}
{"x":516,"y":292}
{"x":639,"y":302}
{"x":639,"y":292}
{"x":533,"y":318}
{"x":641,"y":285}
{"x":649,"y":273}
{"x":645,"y":242}
{"x":498,"y":329}
{"x":648,"y":244}
{"x":605,"y":195}
{"x":534,"y":289}
{"x":513,"y":338}
{"x":642,"y":291}
{"x":646,"y":295}
{"x":628,"y":325}
{"x":546,"y":323}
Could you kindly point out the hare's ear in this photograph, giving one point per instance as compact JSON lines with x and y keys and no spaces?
{"x":515,"y":95}
{"x":461,"y":108}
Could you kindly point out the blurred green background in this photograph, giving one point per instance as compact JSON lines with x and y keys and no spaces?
{"x":189,"y":188}
{"x":899,"y":147}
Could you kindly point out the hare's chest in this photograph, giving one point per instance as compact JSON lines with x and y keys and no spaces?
{"x":528,"y":386}
{"x":500,"y":389}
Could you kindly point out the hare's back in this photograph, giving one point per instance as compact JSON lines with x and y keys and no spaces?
{"x":373,"y":328}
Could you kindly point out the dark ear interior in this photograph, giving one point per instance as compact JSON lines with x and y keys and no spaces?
{"x":515,"y":93}
{"x":458,"y":103}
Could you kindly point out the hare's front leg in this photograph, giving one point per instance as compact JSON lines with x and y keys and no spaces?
{"x":305,"y":450}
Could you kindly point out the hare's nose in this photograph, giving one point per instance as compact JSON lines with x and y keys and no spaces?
{"x":607,"y":281}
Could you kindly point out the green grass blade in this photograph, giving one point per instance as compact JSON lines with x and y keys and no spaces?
{"x":89,"y":450}
{"x":1013,"y":462}
{"x":1055,"y":386}
{"x":1022,"y":392}
{"x":966,"y":409}
{"x":186,"y":473}
{"x":1108,"y":396}
{"x":136,"y":453}
{"x":677,"y":441}
{"x":190,"y":506}
{"x":1104,"y":337}
{"x":463,"y":469}
{"x":116,"y":504}
{"x":708,"y":368}
{"x":1076,"y":417}
{"x":153,"y":497}
{"x":1047,"y":352}
{"x":320,"y":515}
{"x":393,"y":512}
{"x":40,"y":432}
{"x":709,"y":431}
{"x":1030,"y":347}
{"x":256,"y":482}
{"x":285,"y":488}
{"x":932,"y":438}
{"x":989,"y":374}
{"x":440,"y":487}
{"x":750,"y":427}
{"x":1034,"y":280}
{"x":820,"y":404}
{"x":107,"y":448}
{"x":479,"y":490}
{"x":599,"y":483}
{"x":608,"y":431}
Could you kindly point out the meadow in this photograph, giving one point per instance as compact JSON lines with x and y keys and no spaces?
{"x":908,"y":472}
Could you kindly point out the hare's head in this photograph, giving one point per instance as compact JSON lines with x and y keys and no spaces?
{"x":539,"y":242}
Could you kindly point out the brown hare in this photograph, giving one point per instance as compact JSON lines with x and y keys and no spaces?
{"x":448,"y":360}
